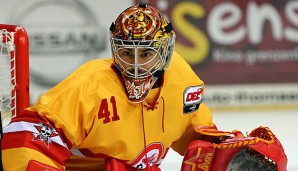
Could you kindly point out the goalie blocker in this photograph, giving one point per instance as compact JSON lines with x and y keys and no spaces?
{"x":260,"y":150}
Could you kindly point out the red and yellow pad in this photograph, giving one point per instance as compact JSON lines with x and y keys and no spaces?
{"x":205,"y":156}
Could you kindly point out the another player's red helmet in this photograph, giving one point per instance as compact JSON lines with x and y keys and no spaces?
{"x":142,"y":43}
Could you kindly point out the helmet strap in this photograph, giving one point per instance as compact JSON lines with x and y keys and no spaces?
{"x":159,"y":75}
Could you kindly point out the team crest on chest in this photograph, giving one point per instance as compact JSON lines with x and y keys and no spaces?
{"x":152,"y":155}
{"x":192,"y":99}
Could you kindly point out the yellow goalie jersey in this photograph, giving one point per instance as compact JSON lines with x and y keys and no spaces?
{"x":87,"y":118}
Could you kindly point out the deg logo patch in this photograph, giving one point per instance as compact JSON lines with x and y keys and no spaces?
{"x":192,"y":99}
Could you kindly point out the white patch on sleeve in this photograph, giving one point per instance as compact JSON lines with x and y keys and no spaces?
{"x":193,"y":95}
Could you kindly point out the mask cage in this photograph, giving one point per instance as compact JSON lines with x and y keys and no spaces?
{"x":163,"y":49}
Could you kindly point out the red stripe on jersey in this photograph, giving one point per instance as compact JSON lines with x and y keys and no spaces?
{"x":34,"y":117}
{"x":26,"y":139}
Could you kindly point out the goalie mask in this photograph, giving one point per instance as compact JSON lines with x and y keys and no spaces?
{"x":142,"y":44}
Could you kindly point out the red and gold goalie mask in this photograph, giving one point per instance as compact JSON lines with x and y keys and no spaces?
{"x":142,"y":43}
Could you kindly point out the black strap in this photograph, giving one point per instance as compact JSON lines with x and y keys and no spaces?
{"x":169,"y":28}
{"x":112,"y":27}
{"x":143,"y":5}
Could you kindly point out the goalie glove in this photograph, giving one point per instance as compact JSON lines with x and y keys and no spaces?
{"x":261,"y":150}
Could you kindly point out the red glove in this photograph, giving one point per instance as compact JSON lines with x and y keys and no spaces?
{"x":260,"y":149}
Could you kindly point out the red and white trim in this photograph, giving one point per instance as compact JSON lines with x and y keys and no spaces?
{"x":30,"y":127}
